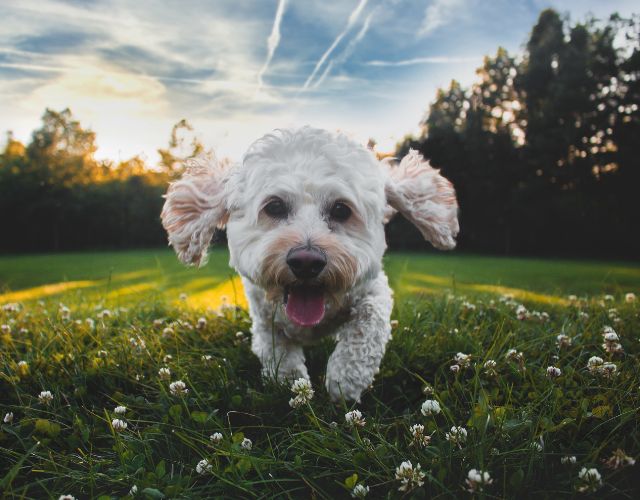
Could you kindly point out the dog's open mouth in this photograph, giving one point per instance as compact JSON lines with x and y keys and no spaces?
{"x":304,"y":304}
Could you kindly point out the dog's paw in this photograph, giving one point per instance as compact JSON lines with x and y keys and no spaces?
{"x":343,"y":389}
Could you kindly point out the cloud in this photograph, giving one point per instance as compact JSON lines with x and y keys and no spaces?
{"x":353,"y":17}
{"x":272,"y":41}
{"x":438,"y":14}
{"x":425,"y":60}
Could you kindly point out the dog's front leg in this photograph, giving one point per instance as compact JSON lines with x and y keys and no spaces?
{"x":361,"y":345}
{"x":281,"y":359}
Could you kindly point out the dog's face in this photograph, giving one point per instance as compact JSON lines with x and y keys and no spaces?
{"x":305,"y":215}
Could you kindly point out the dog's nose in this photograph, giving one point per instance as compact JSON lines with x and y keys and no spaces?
{"x":306,"y":262}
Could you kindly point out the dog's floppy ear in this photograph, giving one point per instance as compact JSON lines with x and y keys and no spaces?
{"x":195,"y":206}
{"x":425,"y":198}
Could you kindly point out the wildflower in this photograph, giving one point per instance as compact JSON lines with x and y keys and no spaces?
{"x":359,"y":491}
{"x":167,"y":332}
{"x":594,"y":364}
{"x":608,"y":298}
{"x":203,"y":466}
{"x":66,"y":497}
{"x":45,"y":397}
{"x":183,"y":296}
{"x":178,"y":388}
{"x":158,"y":322}
{"x":563,"y":340}
{"x":215,"y":438}
{"x":13,"y":307}
{"x":133,"y":491}
{"x":409,"y":476}
{"x":457,"y":435}
{"x":630,"y":297}
{"x":468,"y":306}
{"x":167,"y":359}
{"x":104,"y":314}
{"x":206,"y":358}
{"x":428,"y":390}
{"x":541,"y":317}
{"x":583,"y":315}
{"x":611,"y":341}
{"x":430,"y":407}
{"x":394,"y":324}
{"x":454,"y":368}
{"x":23,"y":367}
{"x":118,"y":425}
{"x":65,"y":312}
{"x":6,"y":329}
{"x":354,"y":419}
{"x":164,"y":373}
{"x":420,"y":439}
{"x":246,"y":444}
{"x":608,"y":370}
{"x":240,"y":335}
{"x":537,"y":445}
{"x":102,"y":353}
{"x":303,"y":392}
{"x":618,"y":460}
{"x":202,"y":323}
{"x":490,"y":367}
{"x":590,"y":480}
{"x":8,"y":418}
{"x":477,"y":480}
{"x":568,"y":459}
{"x":120,"y":410}
{"x":91,"y":324}
{"x":572,"y":298}
{"x":464,"y":360}
{"x":137,"y":344}
{"x":553,"y":372}
{"x":521,"y":312}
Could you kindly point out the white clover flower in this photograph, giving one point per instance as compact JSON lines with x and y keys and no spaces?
{"x":201,"y":323}
{"x":22,"y":364}
{"x":65,"y":312}
{"x":354,"y":418}
{"x":457,"y":435}
{"x":8,"y":418}
{"x":521,"y":312}
{"x":464,"y":360}
{"x":359,"y":491}
{"x":178,"y":388}
{"x":468,"y":306}
{"x":563,"y":340}
{"x":246,"y":444}
{"x":583,"y":315}
{"x":490,"y":364}
{"x":104,"y":314}
{"x":595,"y":364}
{"x":133,"y":491}
{"x":215,"y":438}
{"x":167,"y":358}
{"x":206,"y":358}
{"x":590,"y":480}
{"x":167,"y":332}
{"x":66,"y":497}
{"x":420,"y":439}
{"x":428,"y":390}
{"x":568,"y":459}
{"x":91,"y":324}
{"x":203,"y":466}
{"x":118,"y":425}
{"x":553,"y":372}
{"x":608,"y":298}
{"x":630,"y":297}
{"x":409,"y":476}
{"x":239,"y":335}
{"x":158,"y":322}
{"x":477,"y":480}
{"x":619,"y":459}
{"x":120,"y":410}
{"x":572,"y":298}
{"x":454,"y":368}
{"x":303,"y":392}
{"x":14,"y":307}
{"x":430,"y":407}
{"x":394,"y":324}
{"x":45,"y":397}
{"x":5,"y":329}
{"x":164,"y":373}
{"x":183,"y":296}
{"x":608,"y":370}
{"x":102,"y":353}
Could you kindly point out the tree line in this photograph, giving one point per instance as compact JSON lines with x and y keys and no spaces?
{"x":543,"y":150}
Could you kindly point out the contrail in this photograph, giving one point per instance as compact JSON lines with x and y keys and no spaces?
{"x":424,"y":60}
{"x":272,"y":41}
{"x":352,"y":19}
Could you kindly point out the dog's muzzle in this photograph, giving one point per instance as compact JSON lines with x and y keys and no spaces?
{"x":306,"y":262}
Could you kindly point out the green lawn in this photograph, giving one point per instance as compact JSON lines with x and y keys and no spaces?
{"x":102,"y":330}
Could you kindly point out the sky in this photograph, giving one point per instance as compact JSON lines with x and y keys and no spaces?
{"x":237,"y":69}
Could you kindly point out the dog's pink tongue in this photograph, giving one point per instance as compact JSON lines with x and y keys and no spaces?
{"x":305,"y":306}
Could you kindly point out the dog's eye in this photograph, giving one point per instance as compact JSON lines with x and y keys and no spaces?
{"x":340,"y":212}
{"x":276,"y":208}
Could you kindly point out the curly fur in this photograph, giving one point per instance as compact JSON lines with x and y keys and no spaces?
{"x":310,"y":169}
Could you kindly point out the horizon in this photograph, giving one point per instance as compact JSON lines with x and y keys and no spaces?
{"x":236,"y":71}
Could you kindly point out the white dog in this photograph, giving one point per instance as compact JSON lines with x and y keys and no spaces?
{"x":305,"y":214}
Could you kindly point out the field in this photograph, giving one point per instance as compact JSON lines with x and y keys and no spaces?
{"x":104,"y":330}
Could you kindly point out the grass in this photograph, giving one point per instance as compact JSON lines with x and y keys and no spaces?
{"x":520,"y":422}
